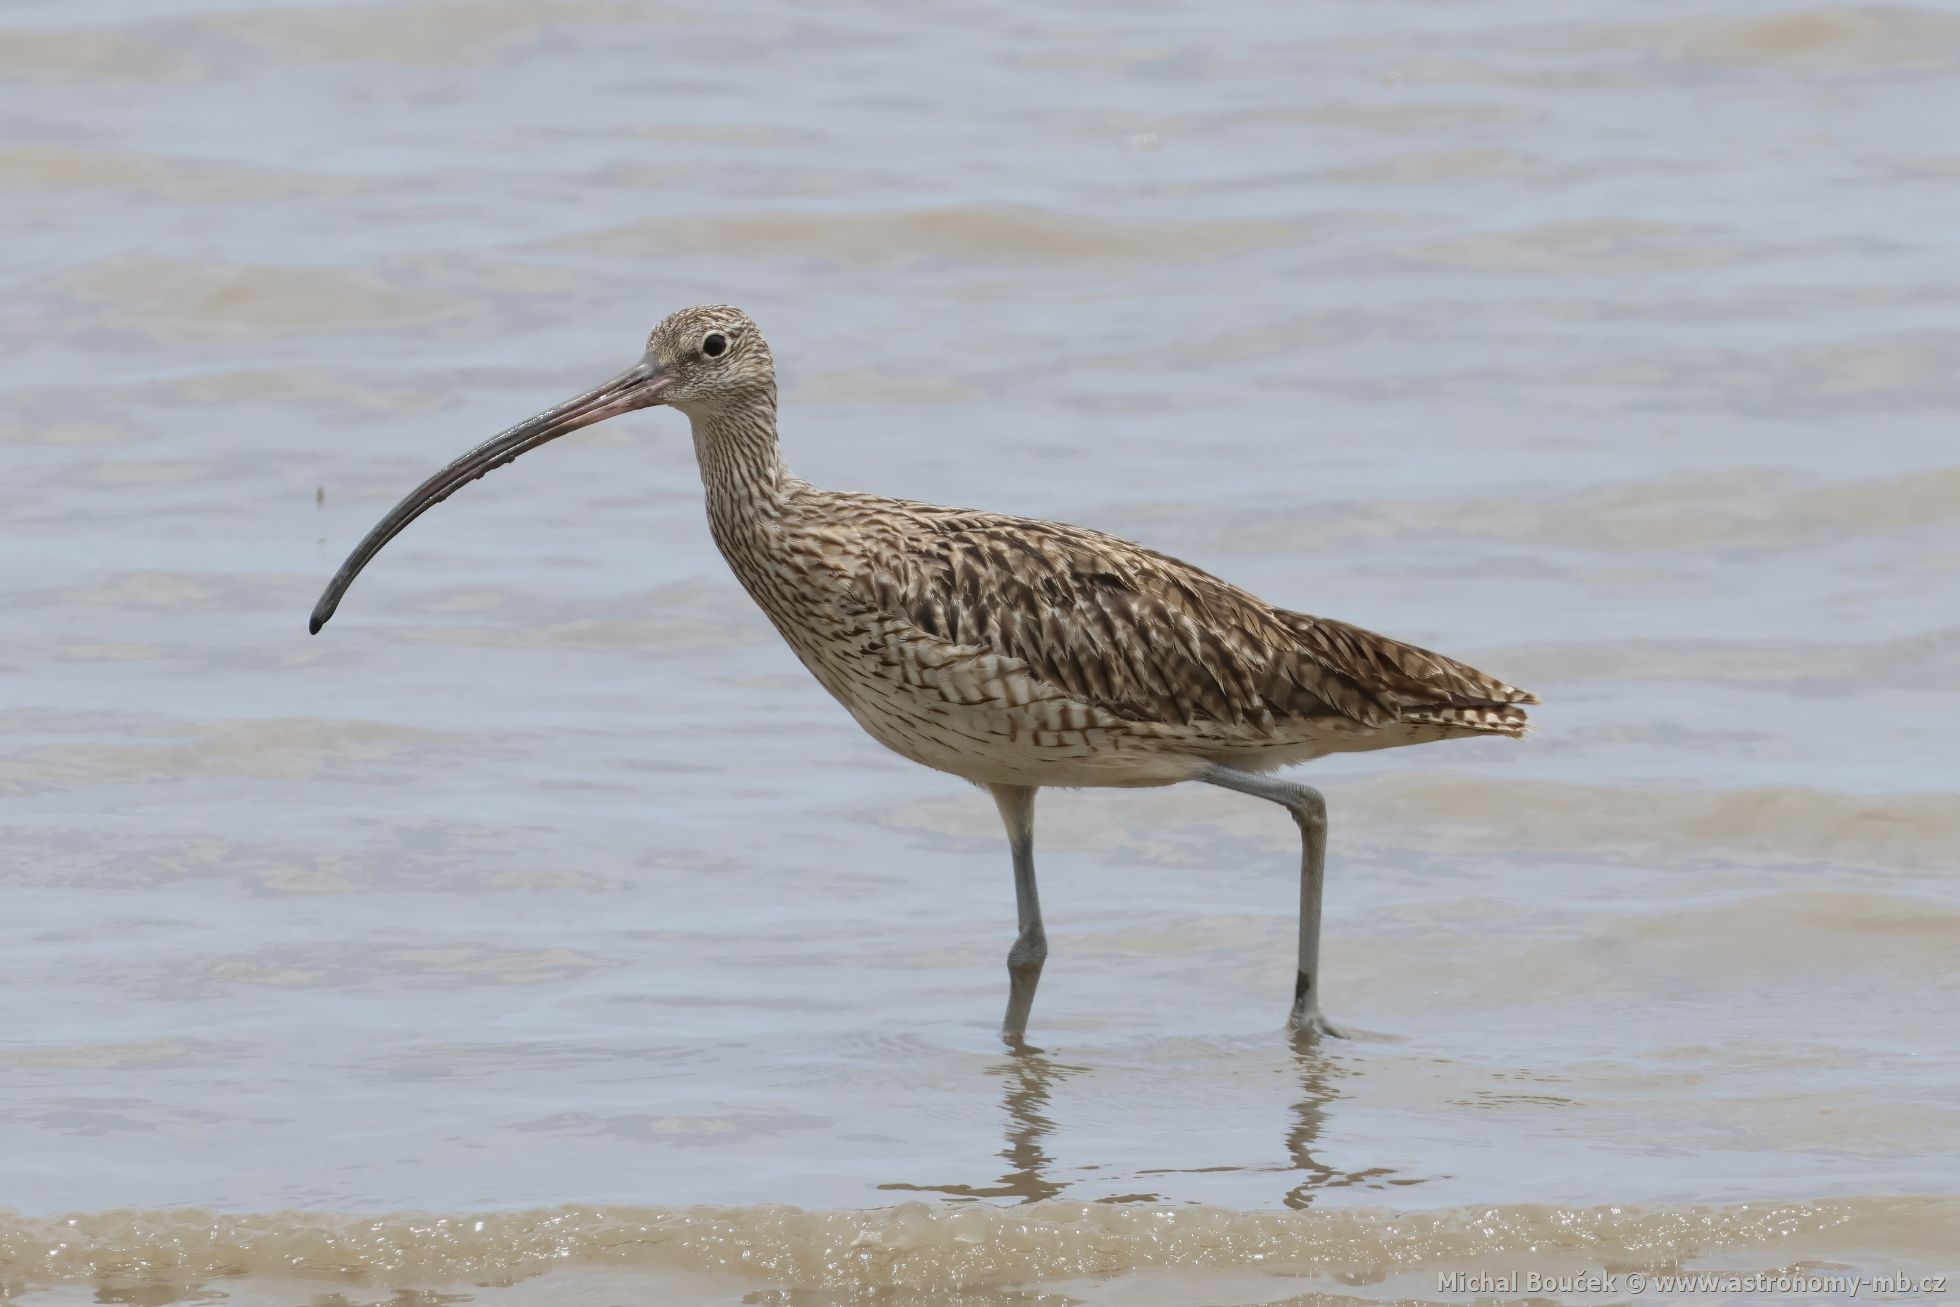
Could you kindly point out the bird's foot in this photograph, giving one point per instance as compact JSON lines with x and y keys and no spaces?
{"x":1306,"y":1020}
{"x":1311,"y":1026}
{"x":1022,"y":980}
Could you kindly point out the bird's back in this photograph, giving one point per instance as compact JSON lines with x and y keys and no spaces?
{"x":1021,"y":651}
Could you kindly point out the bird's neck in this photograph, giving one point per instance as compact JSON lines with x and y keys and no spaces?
{"x":741,"y":466}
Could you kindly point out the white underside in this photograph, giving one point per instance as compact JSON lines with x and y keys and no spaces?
{"x":989,"y":746}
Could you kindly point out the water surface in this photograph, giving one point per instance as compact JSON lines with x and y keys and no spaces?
{"x":1612,"y":351}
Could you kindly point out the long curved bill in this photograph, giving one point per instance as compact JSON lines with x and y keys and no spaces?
{"x":640,"y":386}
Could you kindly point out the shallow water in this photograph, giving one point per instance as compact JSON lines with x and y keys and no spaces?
{"x":1614,"y":354}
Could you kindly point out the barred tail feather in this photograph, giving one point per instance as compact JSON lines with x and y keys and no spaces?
{"x":1482,"y":719}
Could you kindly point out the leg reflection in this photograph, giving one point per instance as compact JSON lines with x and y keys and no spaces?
{"x":1314,"y":1068}
{"x":1317,"y":1071}
{"x":1027,"y":1075}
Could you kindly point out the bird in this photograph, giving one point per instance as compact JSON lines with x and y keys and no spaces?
{"x":1015,"y":653}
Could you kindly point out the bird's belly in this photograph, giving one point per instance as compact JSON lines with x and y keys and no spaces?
{"x":991,"y":747}
{"x":995,"y":743}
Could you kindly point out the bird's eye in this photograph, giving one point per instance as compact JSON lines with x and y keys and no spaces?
{"x":714,"y":344}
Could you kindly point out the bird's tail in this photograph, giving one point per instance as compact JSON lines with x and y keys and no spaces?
{"x":1410,"y":684}
{"x":1481,"y":719}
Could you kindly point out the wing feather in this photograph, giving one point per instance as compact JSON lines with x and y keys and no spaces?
{"x":1147,"y":638}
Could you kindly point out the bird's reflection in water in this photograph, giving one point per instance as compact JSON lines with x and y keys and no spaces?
{"x":1317,"y":1069}
{"x":1026,"y":1076}
{"x":1309,"y":1115}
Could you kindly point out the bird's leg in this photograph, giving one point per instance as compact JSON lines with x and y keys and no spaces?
{"x":1030,"y":949}
{"x":1309,"y":811}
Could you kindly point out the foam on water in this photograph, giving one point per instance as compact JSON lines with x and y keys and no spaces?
{"x":917,"y":1246}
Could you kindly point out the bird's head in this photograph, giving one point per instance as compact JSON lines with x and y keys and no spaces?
{"x":703,"y":361}
{"x":715,"y":360}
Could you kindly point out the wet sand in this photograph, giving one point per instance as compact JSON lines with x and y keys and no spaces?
{"x":540,"y":933}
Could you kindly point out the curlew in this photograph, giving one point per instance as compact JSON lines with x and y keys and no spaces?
{"x":1013,"y":652}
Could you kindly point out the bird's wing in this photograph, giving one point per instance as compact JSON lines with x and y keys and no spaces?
{"x":1415,"y":677}
{"x":1137,"y":634}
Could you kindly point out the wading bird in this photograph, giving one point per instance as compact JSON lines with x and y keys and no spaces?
{"x":1013,"y":652}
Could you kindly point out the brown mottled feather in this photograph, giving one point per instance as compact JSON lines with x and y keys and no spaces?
{"x":1149,"y":638}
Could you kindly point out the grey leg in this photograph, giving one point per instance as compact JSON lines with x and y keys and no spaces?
{"x":1310,"y":814}
{"x":1030,"y":949}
